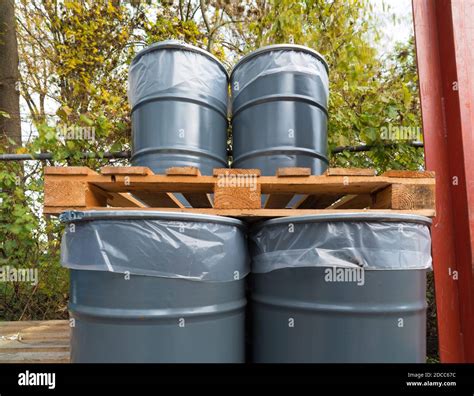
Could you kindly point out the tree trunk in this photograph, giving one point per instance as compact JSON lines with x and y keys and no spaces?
{"x":10,"y":126}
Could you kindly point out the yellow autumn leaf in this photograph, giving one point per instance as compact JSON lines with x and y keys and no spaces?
{"x":22,"y":150}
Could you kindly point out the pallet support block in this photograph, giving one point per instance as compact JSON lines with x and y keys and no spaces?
{"x":68,"y":187}
{"x":237,"y":189}
{"x":405,"y":196}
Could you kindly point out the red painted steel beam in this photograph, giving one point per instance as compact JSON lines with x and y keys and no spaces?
{"x":444,"y":36}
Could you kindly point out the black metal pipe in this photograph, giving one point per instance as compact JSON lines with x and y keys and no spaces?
{"x":49,"y":156}
{"x":369,"y":147}
{"x":127,"y":154}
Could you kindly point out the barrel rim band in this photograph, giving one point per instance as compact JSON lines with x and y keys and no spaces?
{"x":178,"y":98}
{"x":178,"y":45}
{"x":279,"y":98}
{"x":347,"y":217}
{"x":177,"y":150}
{"x":74,"y":216}
{"x":282,"y":150}
{"x":280,"y":47}
{"x":304,"y":306}
{"x":153,"y":314}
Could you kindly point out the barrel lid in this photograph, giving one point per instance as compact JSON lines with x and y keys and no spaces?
{"x":181,"y":45}
{"x":349,"y":217}
{"x":73,"y":216}
{"x":281,"y":47}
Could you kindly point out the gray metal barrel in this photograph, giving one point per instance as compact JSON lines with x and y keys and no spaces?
{"x":279,"y":109}
{"x":340,"y":289}
{"x":155,"y":287}
{"x":178,"y":94}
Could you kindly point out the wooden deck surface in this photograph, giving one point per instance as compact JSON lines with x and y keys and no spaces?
{"x":34,"y":341}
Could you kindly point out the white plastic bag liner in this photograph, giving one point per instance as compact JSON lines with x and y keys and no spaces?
{"x":162,"y":244}
{"x":372,"y":242}
{"x":174,"y":69}
{"x":298,"y":60}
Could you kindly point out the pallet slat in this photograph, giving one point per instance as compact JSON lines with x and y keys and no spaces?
{"x":270,"y":213}
{"x":158,"y":200}
{"x":350,"y":172}
{"x":123,"y":199}
{"x":319,"y":201}
{"x":353,"y":202}
{"x":275,"y":201}
{"x":292,"y":172}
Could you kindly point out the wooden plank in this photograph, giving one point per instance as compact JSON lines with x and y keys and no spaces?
{"x":278,"y":201}
{"x":197,"y":200}
{"x":237,"y":189}
{"x":155,"y":183}
{"x":269,"y":184}
{"x":353,"y":202}
{"x":15,"y":331}
{"x":158,"y":200}
{"x":35,"y":357}
{"x":34,"y":341}
{"x":230,"y":171}
{"x":126,"y":170}
{"x":265,"y":213}
{"x":350,"y":172}
{"x":45,"y":334}
{"x":409,"y":174}
{"x":123,"y":199}
{"x":56,"y":210}
{"x":404,"y":196}
{"x":317,"y":201}
{"x":68,"y":171}
{"x":183,"y":171}
{"x":288,"y":172}
{"x":34,"y":346}
{"x":32,"y":323}
{"x":333,"y":184}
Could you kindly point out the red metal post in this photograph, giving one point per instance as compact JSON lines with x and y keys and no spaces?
{"x":444,"y":36}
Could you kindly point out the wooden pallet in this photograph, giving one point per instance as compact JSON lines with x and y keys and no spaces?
{"x":34,"y":341}
{"x":237,"y":192}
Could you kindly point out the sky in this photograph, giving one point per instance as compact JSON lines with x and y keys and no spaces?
{"x":394,"y":31}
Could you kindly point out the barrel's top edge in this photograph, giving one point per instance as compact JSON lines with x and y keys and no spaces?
{"x":177,"y":44}
{"x":349,"y":217}
{"x":73,"y":216}
{"x":279,"y":47}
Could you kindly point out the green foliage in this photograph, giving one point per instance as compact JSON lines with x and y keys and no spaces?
{"x":75,"y":53}
{"x":28,"y":241}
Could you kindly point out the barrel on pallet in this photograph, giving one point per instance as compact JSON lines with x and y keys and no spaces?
{"x":155,"y":286}
{"x":279,"y":104}
{"x":340,"y":288}
{"x":178,"y":95}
